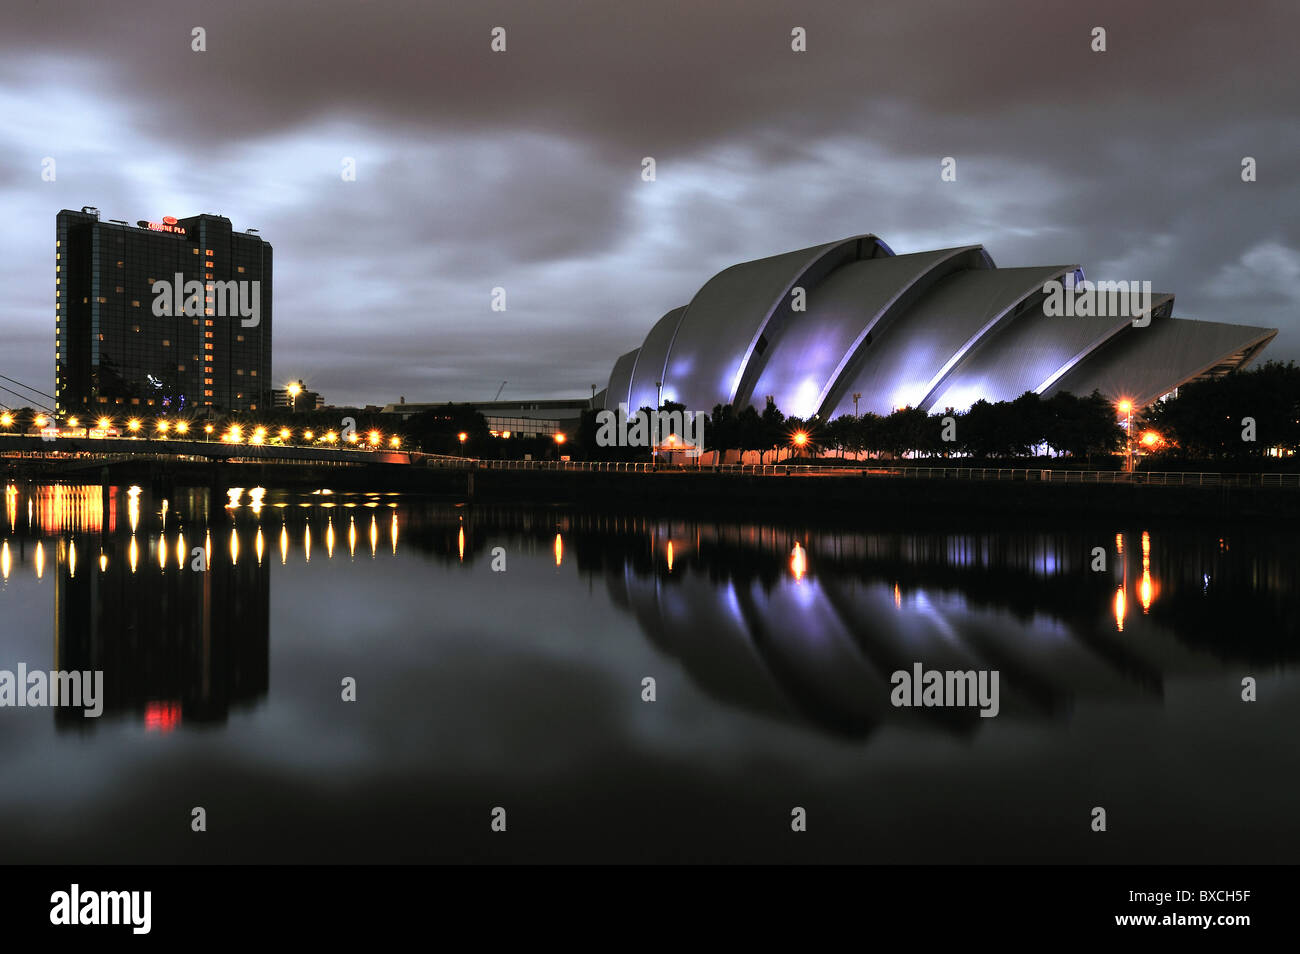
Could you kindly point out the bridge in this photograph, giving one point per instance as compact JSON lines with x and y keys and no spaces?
{"x":104,"y":449}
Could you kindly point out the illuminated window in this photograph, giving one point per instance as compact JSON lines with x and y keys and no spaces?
{"x":253,"y":373}
{"x":167,"y":343}
{"x":135,"y":400}
{"x":151,"y":281}
{"x":120,"y":289}
{"x":239,"y":371}
{"x":241,"y":269}
{"x":208,"y":252}
{"x":207,"y":334}
{"x":207,"y":323}
{"x":135,"y":302}
{"x":207,"y":394}
{"x":207,"y":347}
{"x":102,"y":301}
{"x":180,"y":367}
{"x":119,"y":263}
{"x":207,"y":380}
{"x":195,"y":251}
{"x":239,"y":337}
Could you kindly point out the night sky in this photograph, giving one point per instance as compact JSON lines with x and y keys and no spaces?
{"x":523,"y":169}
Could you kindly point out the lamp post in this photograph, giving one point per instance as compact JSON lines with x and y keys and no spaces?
{"x":855,"y":403}
{"x":654,"y":430}
{"x":1126,"y":408}
{"x":294,"y":389}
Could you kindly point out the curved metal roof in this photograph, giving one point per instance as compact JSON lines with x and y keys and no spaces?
{"x":933,"y":329}
{"x":1144,"y":364}
{"x":724,"y":323}
{"x":649,"y":366}
{"x":620,"y":380}
{"x":805,"y":360}
{"x":914,"y":355}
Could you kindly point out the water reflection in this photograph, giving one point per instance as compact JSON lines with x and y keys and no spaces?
{"x":803,"y":624}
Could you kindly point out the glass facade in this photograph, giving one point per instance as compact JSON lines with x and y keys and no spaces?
{"x":113,"y":354}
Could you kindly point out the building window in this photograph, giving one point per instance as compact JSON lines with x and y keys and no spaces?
{"x":241,"y":269}
{"x":207,"y":394}
{"x":120,"y":289}
{"x":207,"y":334}
{"x":239,"y":337}
{"x":102,"y":301}
{"x":167,"y":343}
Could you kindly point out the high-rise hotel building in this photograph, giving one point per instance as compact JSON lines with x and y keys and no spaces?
{"x":115,"y":355}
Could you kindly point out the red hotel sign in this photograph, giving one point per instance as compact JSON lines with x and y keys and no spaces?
{"x":168,"y":224}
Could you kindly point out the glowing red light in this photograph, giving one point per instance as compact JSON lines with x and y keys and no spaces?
{"x":162,"y":716}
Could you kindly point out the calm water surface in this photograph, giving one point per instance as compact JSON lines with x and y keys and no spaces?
{"x":771,"y":645}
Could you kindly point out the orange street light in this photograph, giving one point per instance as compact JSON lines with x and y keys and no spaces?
{"x":1150,"y":438}
{"x":560,"y":438}
{"x":182,"y":427}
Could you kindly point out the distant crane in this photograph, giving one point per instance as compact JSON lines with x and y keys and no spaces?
{"x":500,"y":389}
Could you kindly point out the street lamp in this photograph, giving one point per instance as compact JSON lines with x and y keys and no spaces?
{"x":462,"y":437}
{"x":1126,"y":408}
{"x":659,"y":402}
{"x":855,"y":403}
{"x":6,"y":419}
{"x":295,"y":388}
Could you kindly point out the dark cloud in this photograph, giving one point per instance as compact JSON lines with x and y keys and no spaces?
{"x":522,"y":170}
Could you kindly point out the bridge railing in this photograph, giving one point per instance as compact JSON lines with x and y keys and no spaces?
{"x":1030,"y":474}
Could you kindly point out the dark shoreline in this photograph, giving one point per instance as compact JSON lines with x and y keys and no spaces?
{"x":854,"y":498}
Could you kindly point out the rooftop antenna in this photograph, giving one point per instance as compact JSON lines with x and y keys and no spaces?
{"x":500,"y":389}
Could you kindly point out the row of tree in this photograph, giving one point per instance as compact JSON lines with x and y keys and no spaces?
{"x":1241,"y":415}
{"x":1064,"y":424}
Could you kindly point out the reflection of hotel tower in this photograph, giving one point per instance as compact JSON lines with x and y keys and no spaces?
{"x":174,"y":644}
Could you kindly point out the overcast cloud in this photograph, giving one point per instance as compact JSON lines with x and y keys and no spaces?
{"x":523,"y":169}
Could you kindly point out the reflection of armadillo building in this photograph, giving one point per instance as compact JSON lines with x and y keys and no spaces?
{"x":175,"y":644}
{"x":933,"y":330}
{"x":814,"y":634}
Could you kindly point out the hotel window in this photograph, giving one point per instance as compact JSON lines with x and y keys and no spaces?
{"x":207,"y":380}
{"x":239,"y":337}
{"x":195,"y":251}
{"x":135,"y":400}
{"x":207,"y":347}
{"x":167,"y":343}
{"x":119,"y":264}
{"x":253,"y":373}
{"x":152,"y":280}
{"x":207,"y":334}
{"x":102,"y":301}
{"x":180,"y":367}
{"x":207,"y":323}
{"x":239,"y":371}
{"x":207,"y":394}
{"x":135,"y":328}
{"x":241,"y":269}
{"x":135,"y":302}
{"x":120,"y":289}
{"x":208,"y":252}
